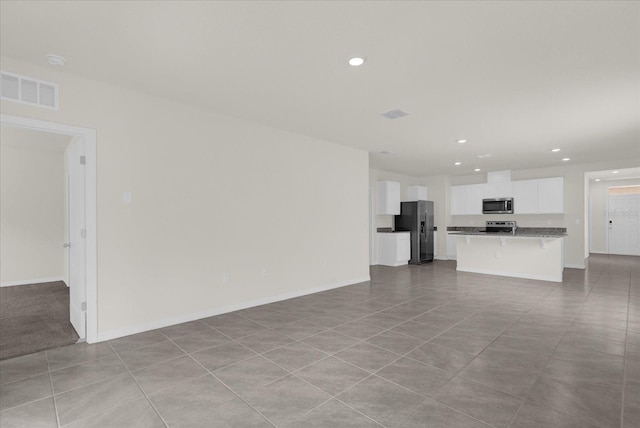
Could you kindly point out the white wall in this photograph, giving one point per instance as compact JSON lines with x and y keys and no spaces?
{"x":598,"y":196}
{"x":32,"y":208}
{"x":211,"y":194}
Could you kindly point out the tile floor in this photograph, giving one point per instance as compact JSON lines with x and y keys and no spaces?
{"x":419,"y":346}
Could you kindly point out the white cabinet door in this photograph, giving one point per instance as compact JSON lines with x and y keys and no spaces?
{"x":498,"y":190}
{"x":525,"y":197}
{"x":551,"y":195}
{"x":452,"y":247}
{"x":467,"y":199}
{"x":403,"y":247}
{"x":458,"y":200}
{"x":475,"y":195}
{"x":394,"y":249}
{"x":388,"y":197}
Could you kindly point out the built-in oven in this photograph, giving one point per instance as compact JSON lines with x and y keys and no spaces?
{"x":497,"y":206}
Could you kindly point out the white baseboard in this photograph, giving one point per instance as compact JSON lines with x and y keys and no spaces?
{"x":141,"y":328}
{"x":575,"y":266}
{"x":598,"y":252}
{"x":31,"y":281}
{"x":514,"y":274}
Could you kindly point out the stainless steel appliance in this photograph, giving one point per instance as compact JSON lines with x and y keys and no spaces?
{"x":501,"y":227}
{"x":417,"y":217}
{"x":497,"y":206}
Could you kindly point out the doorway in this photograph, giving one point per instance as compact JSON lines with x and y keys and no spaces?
{"x":612,"y":211}
{"x":82,"y":219}
{"x":623,"y":223}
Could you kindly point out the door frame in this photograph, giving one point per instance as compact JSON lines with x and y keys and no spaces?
{"x":91,"y":254}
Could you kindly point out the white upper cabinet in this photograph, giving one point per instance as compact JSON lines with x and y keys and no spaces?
{"x":467,"y":200}
{"x":475,"y":195}
{"x":498,"y":190}
{"x":458,"y":200}
{"x":540,"y":196}
{"x":551,"y":195}
{"x":388,"y":197}
{"x":525,"y":197}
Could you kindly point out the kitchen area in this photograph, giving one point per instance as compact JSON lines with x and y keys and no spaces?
{"x":496,"y":245}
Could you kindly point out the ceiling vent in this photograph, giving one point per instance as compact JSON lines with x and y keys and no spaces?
{"x":27,"y":90}
{"x":394,"y":114}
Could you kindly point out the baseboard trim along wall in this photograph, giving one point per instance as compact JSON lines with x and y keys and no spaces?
{"x":575,"y":266}
{"x":141,"y":328}
{"x":31,"y":281}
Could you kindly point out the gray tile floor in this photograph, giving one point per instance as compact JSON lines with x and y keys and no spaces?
{"x":419,"y":346}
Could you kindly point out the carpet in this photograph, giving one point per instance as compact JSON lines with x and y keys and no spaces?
{"x":33,"y":318}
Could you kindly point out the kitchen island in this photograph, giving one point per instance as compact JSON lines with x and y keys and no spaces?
{"x":532,"y":254}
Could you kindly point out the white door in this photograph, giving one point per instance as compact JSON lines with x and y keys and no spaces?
{"x":77,"y":235}
{"x":624,"y":224}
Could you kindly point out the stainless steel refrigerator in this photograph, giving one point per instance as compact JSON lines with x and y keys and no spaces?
{"x":417,"y":217}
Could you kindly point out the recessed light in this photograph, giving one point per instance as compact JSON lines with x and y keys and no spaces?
{"x":457,"y":163}
{"x":555,"y":150}
{"x":566,"y":159}
{"x":384,"y":152}
{"x":614,"y":172}
{"x":56,"y":60}
{"x":356,"y":61}
{"x":462,"y":141}
{"x":597,"y":179}
{"x":477,"y":170}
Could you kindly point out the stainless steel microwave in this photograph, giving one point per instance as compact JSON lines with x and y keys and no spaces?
{"x":497,"y":206}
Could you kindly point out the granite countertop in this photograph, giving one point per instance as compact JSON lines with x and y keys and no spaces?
{"x":390,"y":230}
{"x":522,"y":232}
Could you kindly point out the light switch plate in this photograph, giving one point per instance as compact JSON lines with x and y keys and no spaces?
{"x":127,"y":198}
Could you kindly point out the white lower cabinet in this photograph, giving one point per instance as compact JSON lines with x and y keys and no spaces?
{"x":452,"y":246}
{"x":394,"y":249}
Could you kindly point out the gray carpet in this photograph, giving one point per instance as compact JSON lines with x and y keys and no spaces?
{"x":33,"y":318}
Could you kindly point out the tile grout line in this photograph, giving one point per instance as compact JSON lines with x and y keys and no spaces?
{"x":513,"y":417}
{"x":291,"y":373}
{"x":146,"y":396}
{"x":210,"y":373}
{"x":53,"y":394}
{"x":624,"y":367}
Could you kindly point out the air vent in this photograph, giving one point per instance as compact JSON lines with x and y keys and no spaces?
{"x":394,"y":114}
{"x":27,"y":90}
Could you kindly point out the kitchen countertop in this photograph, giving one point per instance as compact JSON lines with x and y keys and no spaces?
{"x":389,"y":230}
{"x":523,"y":232}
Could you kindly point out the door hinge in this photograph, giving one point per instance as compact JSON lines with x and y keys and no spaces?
{"x":83,"y":160}
{"x":83,"y":233}
{"x":83,"y":306}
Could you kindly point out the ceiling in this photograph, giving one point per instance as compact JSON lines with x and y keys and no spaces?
{"x":27,"y":139}
{"x":615,"y":174}
{"x":516,"y":79}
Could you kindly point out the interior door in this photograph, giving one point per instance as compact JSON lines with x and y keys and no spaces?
{"x":77,"y":234}
{"x":624,"y":224}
